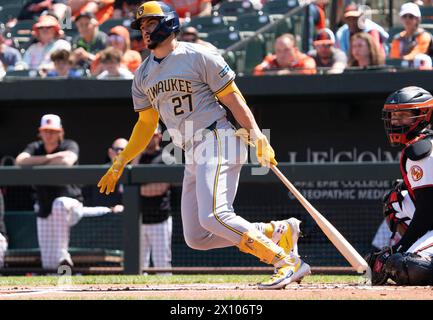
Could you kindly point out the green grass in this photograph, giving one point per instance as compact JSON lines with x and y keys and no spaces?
{"x":153,"y":279}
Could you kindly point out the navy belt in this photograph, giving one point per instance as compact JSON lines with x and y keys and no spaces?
{"x":203,"y":132}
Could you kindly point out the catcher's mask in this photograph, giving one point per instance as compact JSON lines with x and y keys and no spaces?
{"x":168,"y":20}
{"x":402,"y":127}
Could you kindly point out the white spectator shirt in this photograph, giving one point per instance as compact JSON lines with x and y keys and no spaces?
{"x":124,"y":74}
{"x":38,"y":55}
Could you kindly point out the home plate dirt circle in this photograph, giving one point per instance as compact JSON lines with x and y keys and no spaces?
{"x":218,"y":291}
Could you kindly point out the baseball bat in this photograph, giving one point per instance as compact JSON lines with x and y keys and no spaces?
{"x":337,"y":239}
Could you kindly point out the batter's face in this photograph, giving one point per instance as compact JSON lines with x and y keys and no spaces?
{"x":402,"y":118}
{"x":147,"y":26}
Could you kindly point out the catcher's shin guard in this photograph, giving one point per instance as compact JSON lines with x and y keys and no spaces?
{"x":410,"y":269}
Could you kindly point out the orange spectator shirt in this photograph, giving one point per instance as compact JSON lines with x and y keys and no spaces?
{"x":422,"y":43}
{"x":303,"y":65}
{"x":322,"y":17}
{"x":184,"y":6}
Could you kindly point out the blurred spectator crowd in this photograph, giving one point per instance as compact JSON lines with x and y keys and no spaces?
{"x":93,"y":38}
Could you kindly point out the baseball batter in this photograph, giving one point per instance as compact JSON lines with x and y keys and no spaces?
{"x":183,"y":84}
{"x":407,"y":116}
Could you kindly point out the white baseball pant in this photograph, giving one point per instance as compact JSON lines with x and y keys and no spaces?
{"x":156,"y":243}
{"x":3,"y":249}
{"x":54,"y":230}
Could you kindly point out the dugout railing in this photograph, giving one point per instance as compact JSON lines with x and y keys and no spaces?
{"x":356,"y":175}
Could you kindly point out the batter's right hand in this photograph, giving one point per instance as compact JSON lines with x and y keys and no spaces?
{"x":264,"y":152}
{"x":108,"y":182}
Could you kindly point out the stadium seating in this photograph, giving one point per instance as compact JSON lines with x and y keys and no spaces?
{"x":248,"y":56}
{"x":399,"y":63}
{"x":393,"y":31}
{"x":107,"y":25}
{"x":235,"y":8}
{"x":21,"y":34}
{"x":9,"y":11}
{"x":209,"y":23}
{"x":9,"y":2}
{"x":22,"y":28}
{"x":13,"y":74}
{"x":427,"y":14}
{"x":224,"y":38}
{"x":279,"y":6}
{"x":427,"y":26}
{"x":252,"y":22}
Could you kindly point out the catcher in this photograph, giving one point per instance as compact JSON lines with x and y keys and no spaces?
{"x":407,"y":208}
{"x":183,"y":84}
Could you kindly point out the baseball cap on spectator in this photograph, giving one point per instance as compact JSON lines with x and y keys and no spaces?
{"x":352,"y":10}
{"x":123,"y":33}
{"x":86,"y":14}
{"x":410,"y":8}
{"x":324,"y":36}
{"x":51,"y":122}
{"x":47,"y":21}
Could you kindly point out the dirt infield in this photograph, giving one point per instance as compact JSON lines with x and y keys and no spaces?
{"x":218,"y":291}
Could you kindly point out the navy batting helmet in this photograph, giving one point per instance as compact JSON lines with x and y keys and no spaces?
{"x":406,"y":113}
{"x":168,"y":20}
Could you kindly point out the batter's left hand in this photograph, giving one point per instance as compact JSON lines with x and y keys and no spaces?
{"x":108,"y":182}
{"x":265,"y":153}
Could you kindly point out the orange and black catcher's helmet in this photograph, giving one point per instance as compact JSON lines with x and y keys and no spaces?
{"x":420,"y":104}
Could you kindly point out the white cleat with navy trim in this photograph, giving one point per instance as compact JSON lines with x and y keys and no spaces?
{"x":286,"y":274}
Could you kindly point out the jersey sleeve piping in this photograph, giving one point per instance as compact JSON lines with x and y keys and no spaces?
{"x":225,"y":86}
{"x":142,"y":109}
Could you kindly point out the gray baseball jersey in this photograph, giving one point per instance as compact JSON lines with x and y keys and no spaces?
{"x":182,"y":87}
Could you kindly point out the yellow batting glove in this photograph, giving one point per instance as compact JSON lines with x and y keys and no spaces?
{"x":265,"y":153}
{"x":108,"y":182}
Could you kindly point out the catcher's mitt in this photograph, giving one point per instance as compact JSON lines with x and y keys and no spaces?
{"x":376,"y":261}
